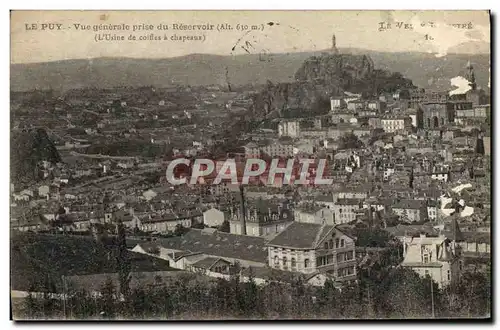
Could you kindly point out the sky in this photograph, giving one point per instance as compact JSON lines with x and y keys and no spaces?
{"x":290,"y":31}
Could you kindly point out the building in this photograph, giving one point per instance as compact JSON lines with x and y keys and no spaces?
{"x":476,"y":114}
{"x":198,"y":244}
{"x":437,"y":257}
{"x":336,"y":103}
{"x":252,"y":150}
{"x":438,"y":114}
{"x":356,"y":105}
{"x":377,"y":105}
{"x":213,"y":217}
{"x":289,"y":128}
{"x":392,"y":124}
{"x":167,"y":221}
{"x":345,"y":209}
{"x":263,"y":217}
{"x":310,"y":248}
{"x":278,"y":149}
{"x":410,"y":210}
{"x":312,"y":213}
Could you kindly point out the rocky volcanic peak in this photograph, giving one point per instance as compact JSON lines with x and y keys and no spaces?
{"x":332,"y":68}
{"x":323,"y":76}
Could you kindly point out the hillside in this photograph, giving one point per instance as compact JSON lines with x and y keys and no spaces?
{"x":27,"y":149}
{"x":37,"y":259}
{"x":425,"y":70}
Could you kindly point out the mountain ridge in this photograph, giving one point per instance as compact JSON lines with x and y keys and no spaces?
{"x":426,"y":70}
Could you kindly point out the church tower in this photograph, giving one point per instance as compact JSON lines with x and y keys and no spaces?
{"x":335,"y":51}
{"x":471,"y":76}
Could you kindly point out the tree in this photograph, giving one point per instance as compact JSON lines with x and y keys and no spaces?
{"x":122,"y":260}
{"x":107,"y":300}
{"x":180,"y":230}
{"x":350,"y":141}
{"x":224,"y":227}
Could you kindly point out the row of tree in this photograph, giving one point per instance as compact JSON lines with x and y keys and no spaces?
{"x":382,"y":292}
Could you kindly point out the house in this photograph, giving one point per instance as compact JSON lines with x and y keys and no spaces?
{"x":213,"y":267}
{"x":336,"y":103}
{"x":164,"y":222}
{"x":377,"y":105}
{"x":410,"y":210}
{"x":311,"y":248}
{"x":437,"y":257}
{"x":432,"y":209}
{"x":311,"y":213}
{"x":252,"y":150}
{"x":197,"y":244}
{"x":355,"y":105}
{"x":278,"y":148}
{"x":43,"y":191}
{"x":289,"y":128}
{"x":263,"y":217}
{"x":345,"y":209}
{"x":213,"y":217}
{"x":395,"y":123}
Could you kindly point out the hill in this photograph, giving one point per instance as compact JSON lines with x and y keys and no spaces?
{"x":37,"y":259}
{"x":27,"y":149}
{"x":425,"y":70}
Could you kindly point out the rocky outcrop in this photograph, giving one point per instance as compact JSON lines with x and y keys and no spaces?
{"x":335,"y":69}
{"x":320,"y":77}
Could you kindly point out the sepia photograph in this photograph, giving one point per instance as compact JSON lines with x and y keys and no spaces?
{"x":186,"y":165}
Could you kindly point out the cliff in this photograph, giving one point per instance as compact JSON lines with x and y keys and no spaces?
{"x":323,"y":76}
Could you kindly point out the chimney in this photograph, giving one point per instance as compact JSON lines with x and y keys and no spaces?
{"x":243,"y":213}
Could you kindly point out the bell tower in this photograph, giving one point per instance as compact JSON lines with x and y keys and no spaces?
{"x":471,"y":76}
{"x":334,"y":50}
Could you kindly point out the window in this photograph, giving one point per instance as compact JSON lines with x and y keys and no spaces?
{"x":294,"y":263}
{"x":337,"y":243}
{"x":330,"y":244}
{"x":276,"y":261}
{"x":306,"y":263}
{"x":285,"y":261}
{"x":326,"y":245}
{"x":340,"y":257}
{"x":342,"y":243}
{"x":349,"y":255}
{"x":426,"y":258}
{"x":448,"y":274}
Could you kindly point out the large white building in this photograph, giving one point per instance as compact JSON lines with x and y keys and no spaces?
{"x":311,"y":248}
{"x":395,"y":123}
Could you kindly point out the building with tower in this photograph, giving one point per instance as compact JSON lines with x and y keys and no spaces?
{"x":475,"y":95}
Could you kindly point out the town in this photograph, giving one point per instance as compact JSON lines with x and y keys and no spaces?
{"x":407,"y":207}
